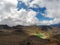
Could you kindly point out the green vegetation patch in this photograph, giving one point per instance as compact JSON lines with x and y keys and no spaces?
{"x":39,"y":35}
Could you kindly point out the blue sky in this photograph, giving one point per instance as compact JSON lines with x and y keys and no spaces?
{"x":39,"y":10}
{"x":29,"y":12}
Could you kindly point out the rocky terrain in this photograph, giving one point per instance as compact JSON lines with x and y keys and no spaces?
{"x":29,"y":35}
{"x":33,"y":40}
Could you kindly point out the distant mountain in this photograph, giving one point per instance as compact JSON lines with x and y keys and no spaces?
{"x":17,"y":27}
{"x":56,"y":25}
{"x":45,"y":27}
{"x":42,"y":27}
{"x":8,"y":27}
{"x":4,"y":27}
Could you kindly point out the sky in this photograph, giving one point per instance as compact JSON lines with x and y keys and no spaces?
{"x":29,"y":12}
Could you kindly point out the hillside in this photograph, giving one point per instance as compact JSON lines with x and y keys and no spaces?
{"x":18,"y":34}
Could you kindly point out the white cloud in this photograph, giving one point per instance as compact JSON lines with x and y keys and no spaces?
{"x":37,"y":2}
{"x":10,"y":16}
{"x":53,"y":8}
